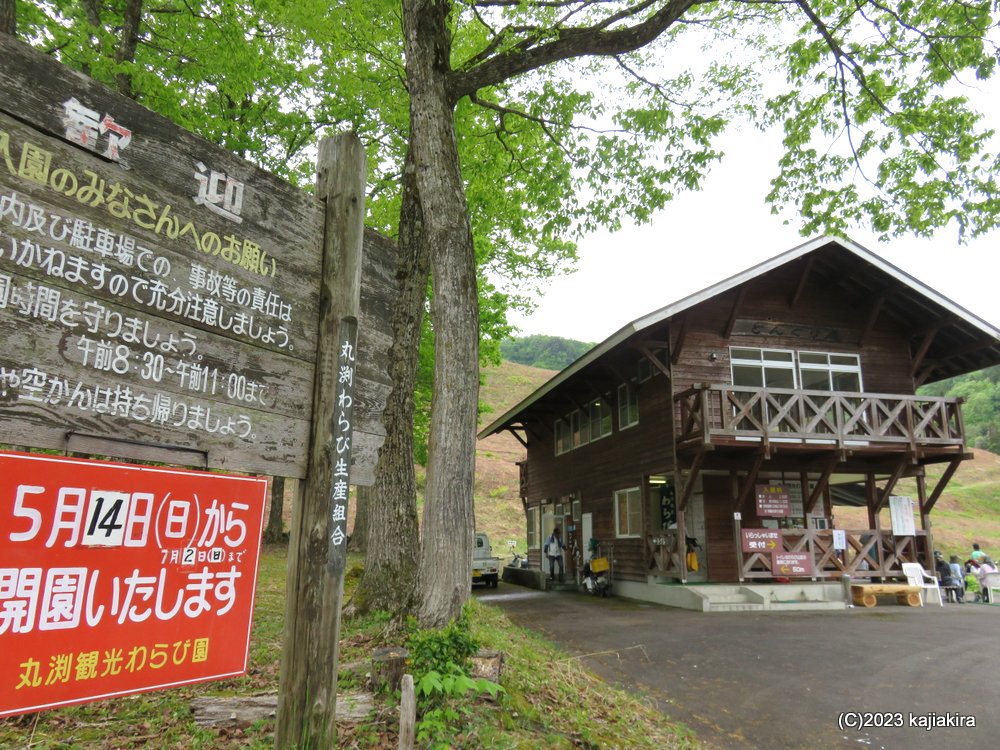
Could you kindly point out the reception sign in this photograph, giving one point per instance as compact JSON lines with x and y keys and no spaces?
{"x":119,"y":579}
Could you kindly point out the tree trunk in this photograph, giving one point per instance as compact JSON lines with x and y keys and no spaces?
{"x":359,"y":532}
{"x":127,"y":44}
{"x":392,"y":542}
{"x":275,"y":531}
{"x":446,"y":551}
{"x":8,"y":17}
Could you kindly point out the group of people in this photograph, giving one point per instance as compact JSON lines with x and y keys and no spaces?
{"x":964,"y":579}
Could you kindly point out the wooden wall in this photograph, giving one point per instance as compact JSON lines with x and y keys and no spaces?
{"x":619,"y":461}
{"x":885,"y":355}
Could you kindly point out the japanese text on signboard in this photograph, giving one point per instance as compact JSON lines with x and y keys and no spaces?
{"x":116,"y":579}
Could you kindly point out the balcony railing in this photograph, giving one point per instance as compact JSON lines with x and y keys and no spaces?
{"x":710,"y":414}
{"x":865,"y":554}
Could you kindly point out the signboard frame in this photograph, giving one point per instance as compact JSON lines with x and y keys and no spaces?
{"x":152,"y":571}
{"x":159,"y":295}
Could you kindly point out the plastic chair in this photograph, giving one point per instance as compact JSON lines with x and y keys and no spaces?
{"x":917,"y":576}
{"x":990,"y":585}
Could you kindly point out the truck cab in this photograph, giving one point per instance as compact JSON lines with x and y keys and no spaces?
{"x":485,"y":567}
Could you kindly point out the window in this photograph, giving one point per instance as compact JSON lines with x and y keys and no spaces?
{"x":564,"y":438}
{"x":583,"y":426}
{"x":763,"y":368}
{"x":628,"y":406}
{"x":600,"y":419}
{"x":811,"y":371}
{"x":534,"y":522}
{"x":628,"y":512}
{"x":820,"y":371}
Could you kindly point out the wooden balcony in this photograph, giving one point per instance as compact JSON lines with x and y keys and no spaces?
{"x":713,"y":415}
{"x":869,"y":553}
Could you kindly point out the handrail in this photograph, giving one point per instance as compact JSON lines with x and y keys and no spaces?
{"x":707,"y":412}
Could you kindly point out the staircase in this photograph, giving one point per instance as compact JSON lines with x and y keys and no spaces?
{"x":728,"y":599}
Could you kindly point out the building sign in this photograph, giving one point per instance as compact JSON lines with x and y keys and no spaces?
{"x":901,"y":515}
{"x":118,"y":579}
{"x":839,"y":539}
{"x":791,"y":564}
{"x":155,"y":289}
{"x":773,"y":500}
{"x":761,"y":540}
{"x":796,"y":331}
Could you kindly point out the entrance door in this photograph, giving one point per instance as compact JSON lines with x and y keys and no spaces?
{"x":588,"y":531}
{"x":549,"y":522}
{"x":719,"y":544}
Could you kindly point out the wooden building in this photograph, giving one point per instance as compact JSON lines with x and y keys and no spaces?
{"x":730,"y":423}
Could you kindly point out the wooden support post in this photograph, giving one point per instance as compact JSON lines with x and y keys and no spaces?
{"x":407,"y":714}
{"x":925,"y":522}
{"x":682,"y":543}
{"x":310,"y":654}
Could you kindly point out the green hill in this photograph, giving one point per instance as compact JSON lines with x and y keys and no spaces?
{"x":545,"y":352}
{"x":968,"y":511}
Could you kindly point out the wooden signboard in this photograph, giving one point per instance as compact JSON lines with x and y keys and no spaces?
{"x":773,"y":501}
{"x":761,"y":540}
{"x":791,"y":564}
{"x":159,"y":296}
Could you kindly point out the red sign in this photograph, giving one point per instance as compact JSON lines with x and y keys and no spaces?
{"x":773,"y":500}
{"x":118,"y":579}
{"x":791,"y":564}
{"x":761,"y":540}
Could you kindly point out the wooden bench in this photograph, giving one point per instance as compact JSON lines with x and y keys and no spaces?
{"x":864,"y":594}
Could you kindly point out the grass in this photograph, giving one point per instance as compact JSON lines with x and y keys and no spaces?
{"x":551,"y":701}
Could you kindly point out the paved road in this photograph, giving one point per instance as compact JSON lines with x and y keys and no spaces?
{"x":783,"y":680}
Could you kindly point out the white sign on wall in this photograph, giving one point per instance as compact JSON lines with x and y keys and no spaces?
{"x":901,"y":512}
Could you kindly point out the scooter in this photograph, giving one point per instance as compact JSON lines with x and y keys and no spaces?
{"x":597,"y":574}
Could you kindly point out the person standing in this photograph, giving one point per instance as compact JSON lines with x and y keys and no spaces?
{"x":554,"y":551}
{"x":955,"y":565}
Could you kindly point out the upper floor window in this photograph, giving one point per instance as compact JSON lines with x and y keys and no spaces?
{"x":820,"y":371}
{"x":783,"y":368}
{"x":628,"y":406}
{"x":583,"y":426}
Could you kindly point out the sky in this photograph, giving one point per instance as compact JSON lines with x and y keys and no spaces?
{"x":701,"y":238}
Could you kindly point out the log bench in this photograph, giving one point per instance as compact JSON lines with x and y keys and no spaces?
{"x":864,"y":594}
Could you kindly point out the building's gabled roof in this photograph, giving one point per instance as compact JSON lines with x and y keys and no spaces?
{"x":964,"y":342}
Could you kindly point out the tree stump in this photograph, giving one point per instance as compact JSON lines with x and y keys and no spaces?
{"x":388,"y":666}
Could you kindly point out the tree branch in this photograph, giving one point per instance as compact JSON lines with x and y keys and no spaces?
{"x":599,"y":40}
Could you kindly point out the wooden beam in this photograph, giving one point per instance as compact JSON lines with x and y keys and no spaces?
{"x":648,"y":351}
{"x":737,"y":304}
{"x":872,"y":318}
{"x":803,"y":279}
{"x":685,"y":493}
{"x":922,"y":351}
{"x":751,"y":479}
{"x":821,"y":484}
{"x":520,"y":439}
{"x":678,"y":347}
{"x":943,"y":482}
{"x":920,"y":378}
{"x":891,"y":485}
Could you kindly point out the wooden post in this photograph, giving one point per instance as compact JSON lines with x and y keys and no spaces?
{"x":310,"y":654}
{"x":407,"y":714}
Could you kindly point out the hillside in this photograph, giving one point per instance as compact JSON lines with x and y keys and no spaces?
{"x":969,"y":510}
{"x":498,"y":506}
